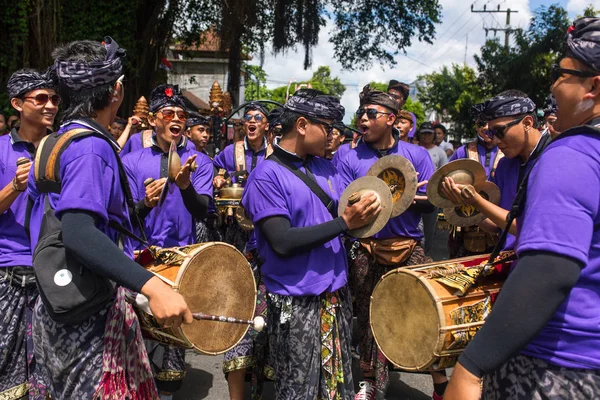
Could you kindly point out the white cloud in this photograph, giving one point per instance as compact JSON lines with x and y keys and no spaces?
{"x":576,"y":7}
{"x":460,"y":27}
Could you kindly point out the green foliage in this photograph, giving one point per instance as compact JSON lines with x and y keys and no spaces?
{"x":589,"y":11}
{"x":451,"y":93}
{"x":416,"y":108}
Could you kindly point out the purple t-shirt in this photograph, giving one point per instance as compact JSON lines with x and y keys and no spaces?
{"x":134,"y":143}
{"x":225,"y":159}
{"x":357,"y":162}
{"x":484,"y":155}
{"x":90,"y":182}
{"x":14,"y":243}
{"x":561,"y":211}
{"x":272,"y":190}
{"x":340,"y":154}
{"x":171,"y":224}
{"x":506,"y":178}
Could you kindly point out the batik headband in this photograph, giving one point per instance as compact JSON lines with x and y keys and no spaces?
{"x":25,"y":80}
{"x":315,"y":104}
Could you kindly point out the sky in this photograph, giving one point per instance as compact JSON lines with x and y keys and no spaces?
{"x":460,"y":35}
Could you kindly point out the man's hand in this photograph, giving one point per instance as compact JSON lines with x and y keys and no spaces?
{"x":133,"y":121}
{"x":219,"y":181}
{"x":453,"y":192}
{"x":463,"y":385}
{"x":418,"y":196}
{"x":20,"y":179}
{"x":168,"y":307}
{"x":362,"y":212}
{"x":182,"y":180}
{"x":153,"y":191}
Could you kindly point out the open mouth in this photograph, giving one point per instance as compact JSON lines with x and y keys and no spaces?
{"x":252,"y":128}
{"x":48,"y":115}
{"x":363,"y":129}
{"x":175,"y":130}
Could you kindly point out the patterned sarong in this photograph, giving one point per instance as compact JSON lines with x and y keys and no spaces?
{"x":17,"y":364}
{"x":103,"y":358}
{"x":524,"y":378}
{"x":310,"y":346}
{"x":364,"y":275}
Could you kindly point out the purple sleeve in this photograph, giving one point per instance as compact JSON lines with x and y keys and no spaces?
{"x":263,"y":198}
{"x":87,"y":183}
{"x":221,"y":159}
{"x":129,"y":144}
{"x":202,"y":178}
{"x":560,"y":211}
{"x":129,"y":165}
{"x":458,"y":154}
{"x":345,"y":173}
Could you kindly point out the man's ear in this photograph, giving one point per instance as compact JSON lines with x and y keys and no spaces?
{"x":152,"y":119}
{"x":391,"y":119}
{"x":594,"y":92}
{"x":301,"y":125}
{"x":17,"y":104}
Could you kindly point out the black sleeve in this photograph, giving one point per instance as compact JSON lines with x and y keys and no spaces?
{"x":422,"y":207}
{"x":286,"y":241}
{"x":98,"y":252}
{"x":528,"y":300}
{"x":196,"y":204}
{"x":141,"y":209}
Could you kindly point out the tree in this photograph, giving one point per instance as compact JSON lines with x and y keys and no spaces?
{"x":533,"y":55}
{"x":256,"y":83}
{"x":451,"y":93}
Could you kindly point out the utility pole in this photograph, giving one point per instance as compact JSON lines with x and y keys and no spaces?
{"x":507,"y":31}
{"x":466,"y":48}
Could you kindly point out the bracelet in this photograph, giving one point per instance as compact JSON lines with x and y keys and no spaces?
{"x":14,"y":186}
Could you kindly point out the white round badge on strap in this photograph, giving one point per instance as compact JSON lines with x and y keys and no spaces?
{"x":63,"y":277}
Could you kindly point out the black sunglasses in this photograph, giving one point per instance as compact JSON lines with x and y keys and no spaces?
{"x":372,"y":113}
{"x":557,"y":72}
{"x":328,"y":127}
{"x":499,"y":131}
{"x":43,"y":98}
{"x":257,"y":117}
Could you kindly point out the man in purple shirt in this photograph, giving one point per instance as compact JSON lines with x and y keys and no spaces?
{"x":104,"y":356}
{"x":376,"y":118}
{"x":305,"y":269}
{"x":172,"y":223}
{"x":542,"y":338}
{"x":32,"y":95}
{"x":520,"y":141}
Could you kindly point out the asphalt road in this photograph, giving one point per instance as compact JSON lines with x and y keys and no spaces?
{"x":205,"y":378}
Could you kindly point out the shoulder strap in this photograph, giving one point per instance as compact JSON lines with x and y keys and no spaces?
{"x":312,"y":185}
{"x":471,"y":150}
{"x":146,"y":138}
{"x":239,"y":156}
{"x":47,"y":172}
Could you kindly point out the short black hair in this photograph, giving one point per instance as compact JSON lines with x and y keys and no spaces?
{"x":83,"y":103}
{"x":120,"y":121}
{"x":288,"y":120}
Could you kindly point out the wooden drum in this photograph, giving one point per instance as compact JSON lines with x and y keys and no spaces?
{"x":213,"y":278}
{"x":419,"y":317}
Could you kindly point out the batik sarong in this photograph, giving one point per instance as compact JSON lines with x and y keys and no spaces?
{"x":528,"y":378}
{"x":250,"y":352}
{"x":364,"y":275}
{"x":17,"y":365}
{"x":310,"y":346}
{"x":207,"y":229}
{"x":102,"y":358}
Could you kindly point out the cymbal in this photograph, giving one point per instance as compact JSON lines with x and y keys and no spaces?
{"x":234,"y":191}
{"x":362,"y":186}
{"x":243,"y":220}
{"x":464,"y":171}
{"x":468,"y":215}
{"x":173,"y":163}
{"x":400,"y":176}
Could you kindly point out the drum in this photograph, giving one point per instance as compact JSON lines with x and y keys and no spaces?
{"x":420,"y":319}
{"x":213,"y":278}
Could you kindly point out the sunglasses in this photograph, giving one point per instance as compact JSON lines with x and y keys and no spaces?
{"x":168,"y":115}
{"x":372,"y":113}
{"x":557,"y":72}
{"x":257,"y":117}
{"x":43,"y":98}
{"x":500,"y":131}
{"x":328,"y":127}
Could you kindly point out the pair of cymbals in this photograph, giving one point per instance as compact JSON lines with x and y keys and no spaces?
{"x":393,"y":179}
{"x":468,"y":215}
{"x":173,"y":168}
{"x":464,"y":172}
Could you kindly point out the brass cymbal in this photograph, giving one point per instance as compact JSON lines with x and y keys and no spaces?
{"x":173,"y":163}
{"x":362,"y":186}
{"x":243,"y":220}
{"x":467,"y":215}
{"x":234,"y":191}
{"x":464,"y":171}
{"x":400,"y":176}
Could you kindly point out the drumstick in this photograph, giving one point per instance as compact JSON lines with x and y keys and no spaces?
{"x":258,"y":322}
{"x":22,"y":160}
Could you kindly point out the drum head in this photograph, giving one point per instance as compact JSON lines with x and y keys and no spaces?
{"x":217,"y":280}
{"x":405,"y":320}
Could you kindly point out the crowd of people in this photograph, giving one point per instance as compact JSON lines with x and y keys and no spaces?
{"x":76,"y":201}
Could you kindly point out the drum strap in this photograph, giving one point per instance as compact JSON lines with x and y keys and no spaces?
{"x":311,"y":183}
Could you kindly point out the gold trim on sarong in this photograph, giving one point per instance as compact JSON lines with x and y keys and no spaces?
{"x":15,"y":392}
{"x":170,"y":375}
